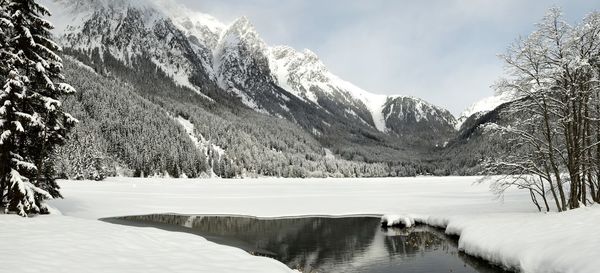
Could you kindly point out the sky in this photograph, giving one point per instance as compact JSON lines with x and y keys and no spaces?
{"x":443,"y":51}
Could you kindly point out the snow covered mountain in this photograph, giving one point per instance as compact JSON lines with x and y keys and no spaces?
{"x":413,"y":116}
{"x":241,"y":64}
{"x":304,"y":75}
{"x":483,"y":106}
{"x":129,"y":31}
{"x":228,"y":62}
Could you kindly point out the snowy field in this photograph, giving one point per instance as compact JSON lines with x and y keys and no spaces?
{"x":271,"y":197}
{"x":507,"y":231}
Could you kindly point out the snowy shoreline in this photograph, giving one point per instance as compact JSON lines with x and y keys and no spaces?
{"x":527,"y":242}
{"x":509,"y":233}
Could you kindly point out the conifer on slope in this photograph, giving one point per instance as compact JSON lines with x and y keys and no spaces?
{"x":32,"y":120}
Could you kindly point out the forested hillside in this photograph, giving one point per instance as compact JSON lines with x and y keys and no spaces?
{"x":132,"y":131}
{"x":476,"y":142}
{"x":118,"y":127}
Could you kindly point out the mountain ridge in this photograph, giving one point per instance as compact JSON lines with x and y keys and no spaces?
{"x":201,"y":70}
{"x":209,"y":36}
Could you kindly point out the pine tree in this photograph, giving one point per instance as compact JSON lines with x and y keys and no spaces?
{"x":11,"y":181}
{"x":16,"y":171}
{"x":32,"y":119}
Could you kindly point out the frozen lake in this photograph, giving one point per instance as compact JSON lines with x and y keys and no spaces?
{"x":274,"y":197}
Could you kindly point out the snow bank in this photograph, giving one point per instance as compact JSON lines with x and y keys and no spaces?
{"x":397,"y":220}
{"x":531,"y":242}
{"x":68,"y":244}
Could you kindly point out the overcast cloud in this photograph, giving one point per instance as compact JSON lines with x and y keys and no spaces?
{"x":442,"y":51}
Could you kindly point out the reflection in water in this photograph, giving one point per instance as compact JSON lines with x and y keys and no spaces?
{"x":322,"y":244}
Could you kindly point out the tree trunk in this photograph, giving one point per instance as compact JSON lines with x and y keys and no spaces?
{"x":534,"y":200}
{"x":548,"y":132}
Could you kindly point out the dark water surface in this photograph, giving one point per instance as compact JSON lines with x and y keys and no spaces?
{"x":327,"y":244}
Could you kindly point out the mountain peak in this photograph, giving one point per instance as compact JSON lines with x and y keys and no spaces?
{"x":240,"y":61}
{"x":281,"y":51}
{"x":190,"y":20}
{"x":242,"y":25}
{"x":285,"y":57}
{"x":485,"y":105}
{"x":241,"y":32}
{"x":310,"y":54}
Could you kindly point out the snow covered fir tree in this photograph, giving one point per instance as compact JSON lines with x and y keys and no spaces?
{"x":32,"y":120}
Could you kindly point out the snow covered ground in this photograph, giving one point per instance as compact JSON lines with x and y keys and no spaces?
{"x":507,"y":231}
{"x":556,"y":242}
{"x":271,"y":197}
{"x":73,"y":245}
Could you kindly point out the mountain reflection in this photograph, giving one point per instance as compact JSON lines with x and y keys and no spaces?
{"x":415,"y":241}
{"x":322,"y":244}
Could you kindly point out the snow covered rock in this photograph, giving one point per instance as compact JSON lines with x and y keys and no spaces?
{"x":393,"y":220}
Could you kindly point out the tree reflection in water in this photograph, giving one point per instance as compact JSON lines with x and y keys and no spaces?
{"x":327,"y":244}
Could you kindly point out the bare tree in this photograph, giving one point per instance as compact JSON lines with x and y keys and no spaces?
{"x":553,"y":74}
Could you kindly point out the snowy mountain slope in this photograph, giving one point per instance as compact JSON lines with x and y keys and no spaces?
{"x":128,"y":31}
{"x":203,"y":27}
{"x":304,"y":75}
{"x":483,"y":106}
{"x":242,"y":67}
{"x":413,"y":116}
{"x":203,"y":32}
{"x":209,"y":149}
{"x":232,"y":65}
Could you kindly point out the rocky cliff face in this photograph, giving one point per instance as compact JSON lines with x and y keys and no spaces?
{"x":412,"y":116}
{"x":129,"y":32}
{"x":241,"y":64}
